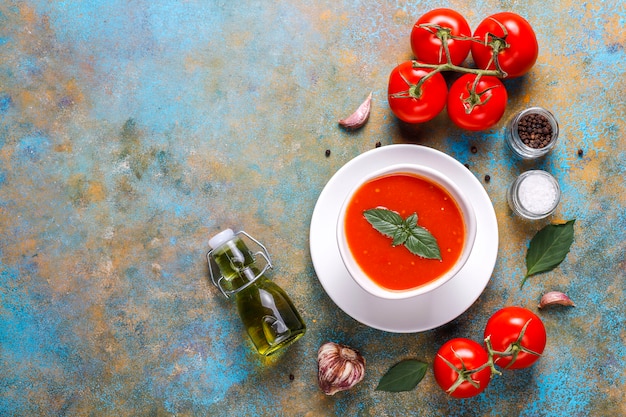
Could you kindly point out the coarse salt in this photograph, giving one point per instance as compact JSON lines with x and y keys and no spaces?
{"x":537,"y":194}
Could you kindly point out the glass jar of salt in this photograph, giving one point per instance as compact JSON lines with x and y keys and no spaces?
{"x":534,"y":195}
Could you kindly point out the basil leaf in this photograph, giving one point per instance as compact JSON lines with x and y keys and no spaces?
{"x":548,"y":248}
{"x":411,"y":220}
{"x":416,"y":239}
{"x":421,"y":242}
{"x":385,"y":221}
{"x":400,"y":237}
{"x":403,"y":376}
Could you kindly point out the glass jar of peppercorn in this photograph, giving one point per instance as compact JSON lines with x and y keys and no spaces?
{"x":532,"y":133}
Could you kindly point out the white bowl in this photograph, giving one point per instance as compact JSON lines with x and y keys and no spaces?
{"x":463,"y":203}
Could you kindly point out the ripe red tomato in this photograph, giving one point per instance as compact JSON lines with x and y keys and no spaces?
{"x":411,"y":102}
{"x":454,"y":365}
{"x":519,"y":54}
{"x":504,"y":329}
{"x":476,"y":107}
{"x":427,"y":46}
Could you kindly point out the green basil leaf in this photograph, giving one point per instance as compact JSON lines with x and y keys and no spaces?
{"x":400,"y":237}
{"x":421,"y":242}
{"x":403,"y":376}
{"x":416,"y":239}
{"x":548,"y":248}
{"x":411,"y":221}
{"x":385,"y":221}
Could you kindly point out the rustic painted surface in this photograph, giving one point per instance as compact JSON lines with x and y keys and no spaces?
{"x":131,"y":131}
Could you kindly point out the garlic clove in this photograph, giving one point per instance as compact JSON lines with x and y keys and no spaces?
{"x":339,"y":367}
{"x":360,"y":116}
{"x":555,"y":298}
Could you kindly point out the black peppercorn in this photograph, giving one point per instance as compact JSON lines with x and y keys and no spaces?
{"x":327,"y":153}
{"x":487,"y":178}
{"x":580,"y":152}
{"x":532,"y":133}
{"x":378,"y":144}
{"x":535,"y":130}
{"x":474,"y":149}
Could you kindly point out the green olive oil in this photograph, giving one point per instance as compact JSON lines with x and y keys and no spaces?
{"x":268,"y":314}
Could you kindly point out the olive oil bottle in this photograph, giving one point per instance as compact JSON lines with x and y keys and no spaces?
{"x":267,"y":312}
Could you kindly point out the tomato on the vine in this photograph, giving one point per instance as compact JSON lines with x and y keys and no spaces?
{"x":517,"y":337}
{"x":476,"y":105}
{"x":459,"y":368}
{"x":514,"y":39}
{"x":413,"y":100}
{"x":436,"y":27}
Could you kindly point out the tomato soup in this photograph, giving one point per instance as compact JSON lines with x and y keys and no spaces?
{"x":395,"y":268}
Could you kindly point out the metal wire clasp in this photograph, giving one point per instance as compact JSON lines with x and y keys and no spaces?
{"x":263,"y":253}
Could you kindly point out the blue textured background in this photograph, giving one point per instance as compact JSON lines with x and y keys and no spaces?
{"x":131,"y":131}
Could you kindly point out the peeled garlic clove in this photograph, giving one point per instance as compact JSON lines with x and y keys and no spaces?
{"x":360,"y":116}
{"x":339,"y":367}
{"x":555,"y":298}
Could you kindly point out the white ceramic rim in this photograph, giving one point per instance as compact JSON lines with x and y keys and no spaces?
{"x":443,"y":181}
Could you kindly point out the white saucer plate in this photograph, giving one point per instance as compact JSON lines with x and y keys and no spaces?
{"x":419,"y":313}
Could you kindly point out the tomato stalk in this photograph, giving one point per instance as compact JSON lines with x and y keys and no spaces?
{"x":513,"y":349}
{"x":490,"y":363}
{"x":463,"y":374}
{"x":444,"y":34}
{"x":414,"y":90}
{"x":497,"y":44}
{"x":475,"y":98}
{"x":464,"y":70}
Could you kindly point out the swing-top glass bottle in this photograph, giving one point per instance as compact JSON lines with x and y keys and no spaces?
{"x":267,"y":312}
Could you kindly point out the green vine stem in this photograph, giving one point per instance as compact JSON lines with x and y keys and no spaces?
{"x":513,"y":349}
{"x":465,"y":375}
{"x":475,"y":98}
{"x":496,"y":43}
{"x":490,"y":363}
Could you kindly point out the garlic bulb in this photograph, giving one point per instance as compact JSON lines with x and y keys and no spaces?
{"x":339,"y":367}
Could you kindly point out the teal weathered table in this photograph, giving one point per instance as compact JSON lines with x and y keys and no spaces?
{"x":132,"y":131}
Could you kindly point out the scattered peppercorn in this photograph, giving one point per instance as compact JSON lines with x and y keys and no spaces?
{"x":327,"y":153}
{"x":474,"y":149}
{"x":466,"y":166}
{"x":291,"y":377}
{"x":580,"y":152}
{"x":378,"y":144}
{"x":535,"y":130}
{"x":487,"y":178}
